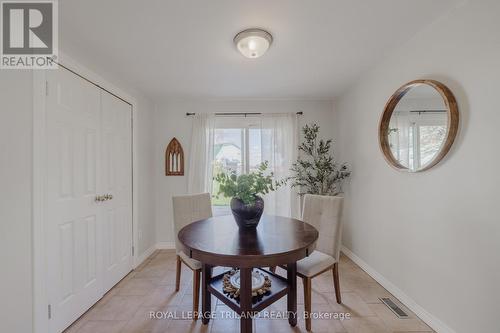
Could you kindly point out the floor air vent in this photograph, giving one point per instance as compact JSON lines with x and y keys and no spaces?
{"x":394,"y":308}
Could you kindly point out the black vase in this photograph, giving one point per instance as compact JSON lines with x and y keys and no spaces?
{"x":247,"y":216}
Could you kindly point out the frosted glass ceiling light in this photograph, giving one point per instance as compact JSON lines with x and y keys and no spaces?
{"x":253,"y":43}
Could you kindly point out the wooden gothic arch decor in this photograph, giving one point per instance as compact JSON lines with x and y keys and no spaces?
{"x":174,"y":159}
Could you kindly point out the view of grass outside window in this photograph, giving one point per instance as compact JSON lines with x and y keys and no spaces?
{"x":235,"y":150}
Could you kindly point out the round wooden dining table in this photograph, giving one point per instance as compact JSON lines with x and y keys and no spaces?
{"x":276,"y":241}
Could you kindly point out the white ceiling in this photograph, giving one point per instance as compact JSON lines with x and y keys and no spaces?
{"x":184,"y":49}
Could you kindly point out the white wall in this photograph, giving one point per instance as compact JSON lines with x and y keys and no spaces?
{"x":436,"y":234}
{"x":16,"y":156}
{"x":171,"y":121}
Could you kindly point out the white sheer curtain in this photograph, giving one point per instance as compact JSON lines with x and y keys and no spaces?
{"x":400,"y":137}
{"x":279,"y":141}
{"x":201,"y":155}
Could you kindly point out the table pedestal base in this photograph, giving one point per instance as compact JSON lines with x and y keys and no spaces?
{"x":246,"y":300}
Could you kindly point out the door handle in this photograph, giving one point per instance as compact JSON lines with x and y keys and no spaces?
{"x":105,"y":197}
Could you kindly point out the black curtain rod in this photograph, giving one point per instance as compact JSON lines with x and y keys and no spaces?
{"x":236,"y":113}
{"x":423,"y":111}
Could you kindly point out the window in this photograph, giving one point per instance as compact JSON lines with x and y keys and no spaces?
{"x":237,"y":148}
{"x":430,"y":139}
{"x":416,"y":138}
{"x":240,"y":144}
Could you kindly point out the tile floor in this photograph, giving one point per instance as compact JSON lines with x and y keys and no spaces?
{"x":151,"y":288}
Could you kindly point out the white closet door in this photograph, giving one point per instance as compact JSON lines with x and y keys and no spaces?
{"x":116,"y":180}
{"x":73,"y":236}
{"x":89,"y":154}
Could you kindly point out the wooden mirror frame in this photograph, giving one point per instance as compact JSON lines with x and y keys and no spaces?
{"x":174,"y":149}
{"x":451,"y":133}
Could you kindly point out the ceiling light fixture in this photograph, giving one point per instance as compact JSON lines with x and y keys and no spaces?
{"x":253,"y":43}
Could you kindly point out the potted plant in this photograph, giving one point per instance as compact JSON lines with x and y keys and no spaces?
{"x":316,"y":171}
{"x":247,"y":205}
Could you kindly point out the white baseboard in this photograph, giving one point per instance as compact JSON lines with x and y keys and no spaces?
{"x":158,"y":246}
{"x":165,"y":245}
{"x":428,"y":318}
{"x":140,"y":258}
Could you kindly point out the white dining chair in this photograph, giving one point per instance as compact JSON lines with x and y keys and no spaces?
{"x":324,"y":213}
{"x":189,"y":209}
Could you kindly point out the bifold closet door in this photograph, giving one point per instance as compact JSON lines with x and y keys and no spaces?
{"x":73,"y":218}
{"x":116,"y":152}
{"x":88,"y":197}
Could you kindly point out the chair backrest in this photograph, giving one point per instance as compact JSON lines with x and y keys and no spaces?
{"x":189,"y":209}
{"x":325,"y":214}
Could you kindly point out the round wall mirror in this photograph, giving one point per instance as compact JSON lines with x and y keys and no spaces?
{"x":418,"y":126}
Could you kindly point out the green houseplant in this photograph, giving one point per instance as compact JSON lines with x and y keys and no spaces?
{"x":316,"y":171}
{"x":247,"y":205}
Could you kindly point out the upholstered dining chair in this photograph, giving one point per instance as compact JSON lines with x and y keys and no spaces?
{"x":324,"y":213}
{"x":189,"y":209}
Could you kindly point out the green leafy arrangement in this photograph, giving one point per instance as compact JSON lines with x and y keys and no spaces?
{"x":317,"y":172}
{"x":246,"y":187}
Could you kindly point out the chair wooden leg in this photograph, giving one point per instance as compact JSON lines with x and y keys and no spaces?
{"x":336,"y":282}
{"x":307,"y":302}
{"x":196,"y":292}
{"x":272,"y":269}
{"x":178,"y":274}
